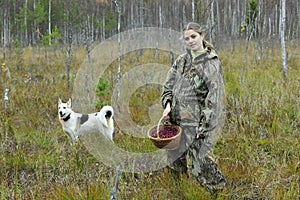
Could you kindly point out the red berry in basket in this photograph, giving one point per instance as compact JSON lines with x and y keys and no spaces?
{"x":165,"y":132}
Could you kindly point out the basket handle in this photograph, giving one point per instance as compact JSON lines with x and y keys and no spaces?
{"x":166,"y":122}
{"x":157,"y":129}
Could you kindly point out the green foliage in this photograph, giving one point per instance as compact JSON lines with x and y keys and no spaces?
{"x":37,"y":16}
{"x":252,"y":12}
{"x":110,"y":19}
{"x":53,"y":38}
{"x":198,"y":11}
{"x":58,"y":10}
{"x":103,"y":93}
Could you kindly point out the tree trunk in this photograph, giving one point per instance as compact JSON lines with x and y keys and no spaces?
{"x":298,"y":26}
{"x":6,"y":36}
{"x":212,"y":22}
{"x":49,"y":21}
{"x":282,"y":35}
{"x":160,"y":17}
{"x":193,"y":10}
{"x":25,"y":22}
{"x":69,"y":41}
{"x":118,"y":79}
{"x":141,"y":14}
{"x":249,"y":33}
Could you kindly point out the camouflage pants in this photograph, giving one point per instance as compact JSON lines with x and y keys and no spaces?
{"x":195,"y":156}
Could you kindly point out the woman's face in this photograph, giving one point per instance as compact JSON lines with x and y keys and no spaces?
{"x":193,"y":40}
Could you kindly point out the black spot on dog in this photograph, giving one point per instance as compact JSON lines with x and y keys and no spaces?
{"x":108,"y":114}
{"x":84,"y":118}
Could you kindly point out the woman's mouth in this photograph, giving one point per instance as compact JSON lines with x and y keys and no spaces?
{"x":193,"y":45}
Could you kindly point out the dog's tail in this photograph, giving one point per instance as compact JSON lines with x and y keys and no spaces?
{"x":106,"y":114}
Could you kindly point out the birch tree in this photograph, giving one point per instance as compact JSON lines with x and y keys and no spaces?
{"x":21,"y":19}
{"x":49,"y":21}
{"x":250,"y":28}
{"x":5,"y":27}
{"x":118,"y":8}
{"x":25,"y":20}
{"x":282,"y":35}
{"x":69,"y":40}
{"x":193,"y":10}
{"x":212,"y":22}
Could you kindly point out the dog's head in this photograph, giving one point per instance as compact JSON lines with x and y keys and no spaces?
{"x":64,"y":109}
{"x":106,"y":116}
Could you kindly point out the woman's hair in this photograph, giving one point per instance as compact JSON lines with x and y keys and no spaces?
{"x":194,"y":26}
{"x":199,"y":29}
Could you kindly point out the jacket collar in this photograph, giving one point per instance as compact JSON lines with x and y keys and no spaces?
{"x":210,"y":54}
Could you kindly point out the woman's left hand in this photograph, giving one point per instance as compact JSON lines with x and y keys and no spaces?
{"x":167,"y":111}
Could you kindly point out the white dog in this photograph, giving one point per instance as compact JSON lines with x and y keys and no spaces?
{"x":75,"y":124}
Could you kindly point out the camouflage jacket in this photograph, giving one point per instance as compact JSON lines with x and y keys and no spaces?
{"x":195,"y":90}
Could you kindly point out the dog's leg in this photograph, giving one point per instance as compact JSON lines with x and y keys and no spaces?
{"x":77,"y":128}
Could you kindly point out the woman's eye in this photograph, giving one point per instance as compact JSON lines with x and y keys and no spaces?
{"x":188,"y":38}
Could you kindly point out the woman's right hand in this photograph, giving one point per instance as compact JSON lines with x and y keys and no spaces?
{"x":167,"y":111}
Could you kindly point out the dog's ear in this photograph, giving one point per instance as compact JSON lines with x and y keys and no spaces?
{"x":59,"y":101}
{"x":69,"y":103}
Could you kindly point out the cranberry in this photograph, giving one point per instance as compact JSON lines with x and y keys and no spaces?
{"x":165,"y":132}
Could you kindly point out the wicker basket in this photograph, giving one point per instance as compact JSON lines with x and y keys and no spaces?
{"x":166,"y":143}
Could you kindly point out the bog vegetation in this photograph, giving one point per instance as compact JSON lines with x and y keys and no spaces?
{"x":258,"y":152}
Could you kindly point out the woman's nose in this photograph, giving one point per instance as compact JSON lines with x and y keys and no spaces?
{"x":191,"y":40}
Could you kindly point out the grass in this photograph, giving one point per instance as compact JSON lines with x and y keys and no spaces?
{"x":258,"y":152}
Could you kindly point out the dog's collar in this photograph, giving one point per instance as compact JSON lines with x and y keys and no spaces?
{"x":66,"y":118}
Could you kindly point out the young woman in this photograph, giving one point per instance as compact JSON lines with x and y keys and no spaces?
{"x":192,"y":98}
